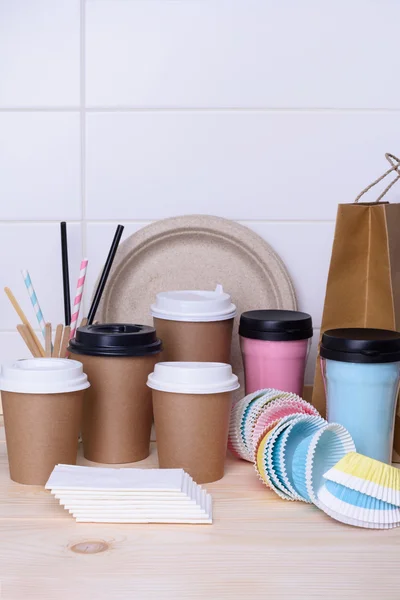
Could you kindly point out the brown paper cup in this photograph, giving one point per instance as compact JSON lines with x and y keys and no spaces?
{"x":192,"y":432}
{"x":189,"y":341}
{"x":41,"y":432}
{"x":117,"y":413}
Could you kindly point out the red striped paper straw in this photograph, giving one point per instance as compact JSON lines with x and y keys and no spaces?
{"x":78,"y":297}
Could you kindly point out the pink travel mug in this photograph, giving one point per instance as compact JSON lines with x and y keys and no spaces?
{"x":274,"y":346}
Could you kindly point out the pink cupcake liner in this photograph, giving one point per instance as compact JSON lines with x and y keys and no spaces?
{"x":268,"y":428}
{"x":260,"y":408}
{"x":249,"y":417}
{"x":277,"y":410}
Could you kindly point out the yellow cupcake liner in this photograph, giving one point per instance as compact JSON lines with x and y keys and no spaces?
{"x":368,"y":476}
{"x":259,"y":463}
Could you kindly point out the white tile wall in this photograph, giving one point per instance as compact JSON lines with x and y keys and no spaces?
{"x":242,"y":165}
{"x":40,"y":166}
{"x":39,"y":53}
{"x":242,"y":53}
{"x":134,"y":110}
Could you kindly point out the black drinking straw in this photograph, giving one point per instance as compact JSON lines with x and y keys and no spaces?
{"x":65,"y":272}
{"x":104,"y":276}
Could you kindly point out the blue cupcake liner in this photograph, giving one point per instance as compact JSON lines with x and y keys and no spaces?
{"x":356,"y":508}
{"x":294,"y":461}
{"x":271,"y":478}
{"x":316,"y":455}
{"x":259,"y":400}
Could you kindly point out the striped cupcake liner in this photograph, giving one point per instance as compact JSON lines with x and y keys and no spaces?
{"x":277,"y":452}
{"x":356,"y":523}
{"x":260,"y":410}
{"x":250,"y":416}
{"x":278,"y":409}
{"x":264,"y":433}
{"x":259,"y":462}
{"x":344,"y":512}
{"x":265,"y":456}
{"x":235,"y":439}
{"x":355,"y":505}
{"x":291,"y":464}
{"x":368,"y":476}
{"x":325,"y":448}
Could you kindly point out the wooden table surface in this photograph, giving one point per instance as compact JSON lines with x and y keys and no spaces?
{"x":258,"y":547}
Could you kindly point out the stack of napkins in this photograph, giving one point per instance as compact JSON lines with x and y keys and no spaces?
{"x":107,"y":495}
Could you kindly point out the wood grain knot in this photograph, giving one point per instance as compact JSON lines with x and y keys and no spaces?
{"x":90,"y":547}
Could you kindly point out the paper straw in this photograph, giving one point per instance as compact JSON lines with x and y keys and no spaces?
{"x":34,"y":301}
{"x":78,"y":297}
{"x":65,"y":272}
{"x":104,"y":276}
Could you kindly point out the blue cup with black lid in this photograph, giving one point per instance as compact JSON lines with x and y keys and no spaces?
{"x":361,"y":370}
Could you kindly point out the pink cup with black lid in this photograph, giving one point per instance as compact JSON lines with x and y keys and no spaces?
{"x":274,"y":345}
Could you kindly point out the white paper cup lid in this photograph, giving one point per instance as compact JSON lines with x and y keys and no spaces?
{"x":194,"y":305}
{"x":43,"y":376}
{"x":193,"y":378}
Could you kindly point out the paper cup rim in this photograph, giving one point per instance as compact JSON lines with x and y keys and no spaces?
{"x":180,"y":377}
{"x":64,"y":376}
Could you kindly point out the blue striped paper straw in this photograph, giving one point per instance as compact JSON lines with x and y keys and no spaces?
{"x":34,"y":301}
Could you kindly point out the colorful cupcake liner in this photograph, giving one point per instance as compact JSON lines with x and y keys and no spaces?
{"x":368,"y":476}
{"x":235,"y":441}
{"x":259,"y":463}
{"x":278,"y":465}
{"x":356,"y":523}
{"x":265,"y":432}
{"x":257,"y":419}
{"x":292,"y":463}
{"x":250,"y":416}
{"x":281,"y":407}
{"x":340,"y":505}
{"x":265,"y":458}
{"x":324,"y":449}
{"x":277,"y":410}
{"x":355,"y":505}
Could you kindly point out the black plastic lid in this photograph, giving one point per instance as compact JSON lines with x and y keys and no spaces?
{"x":115,"y":339}
{"x":275,"y":325}
{"x":361,"y":345}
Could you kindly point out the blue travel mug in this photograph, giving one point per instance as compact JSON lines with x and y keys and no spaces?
{"x":361,"y":369}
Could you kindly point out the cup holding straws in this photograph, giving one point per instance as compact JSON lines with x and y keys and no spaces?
{"x":42,"y":397}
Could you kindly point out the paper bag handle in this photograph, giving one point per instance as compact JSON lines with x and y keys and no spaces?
{"x":395,"y":162}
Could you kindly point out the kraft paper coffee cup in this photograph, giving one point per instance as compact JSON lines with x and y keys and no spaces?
{"x":117,"y":414}
{"x":192,"y":404}
{"x":195,"y":325}
{"x":42,"y":405}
